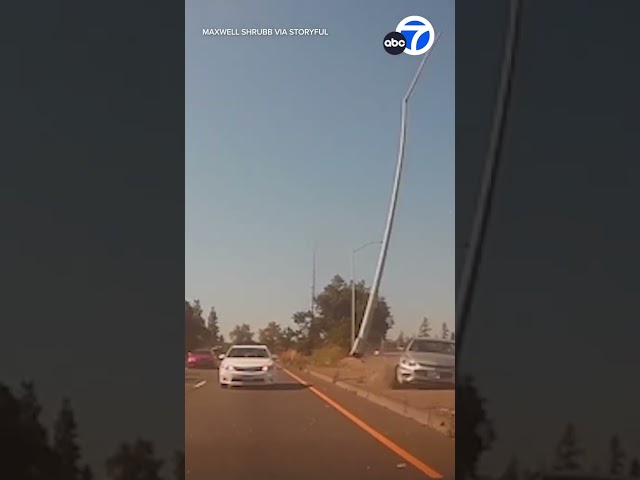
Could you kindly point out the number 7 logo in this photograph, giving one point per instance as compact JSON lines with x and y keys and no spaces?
{"x":419,"y":33}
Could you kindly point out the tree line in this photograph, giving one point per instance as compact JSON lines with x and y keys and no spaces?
{"x":31,"y":452}
{"x":569,"y":455}
{"x":568,"y":460}
{"x":199,"y":332}
{"x":328,"y":324}
{"x":425,"y":330}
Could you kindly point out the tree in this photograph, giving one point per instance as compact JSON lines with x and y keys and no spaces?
{"x":445,"y":331}
{"x":568,"y":451}
{"x":25,"y":453}
{"x":634,"y":471}
{"x":33,"y":447}
{"x":616,"y":464}
{"x":400,"y":341}
{"x":425,"y":328}
{"x":241,"y":334}
{"x":289,"y":338}
{"x":195,"y":332}
{"x":134,"y":462}
{"x":473,"y":418}
{"x":197,"y":309}
{"x":65,"y":441}
{"x":307,"y":333}
{"x":28,"y":455}
{"x":272,"y":336}
{"x":332,"y":323}
{"x":453,"y":336}
{"x":213,"y":327}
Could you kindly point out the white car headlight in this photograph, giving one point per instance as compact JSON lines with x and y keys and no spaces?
{"x":409,"y":363}
{"x":228,"y":367}
{"x":267,"y":368}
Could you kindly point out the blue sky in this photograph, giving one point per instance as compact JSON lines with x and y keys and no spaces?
{"x":292,"y":141}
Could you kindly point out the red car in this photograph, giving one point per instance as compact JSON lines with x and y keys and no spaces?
{"x":201,"y":358}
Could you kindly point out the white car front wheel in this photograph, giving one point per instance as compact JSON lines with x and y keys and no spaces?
{"x":398,"y":381}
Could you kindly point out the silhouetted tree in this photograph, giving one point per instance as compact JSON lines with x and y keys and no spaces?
{"x":308,"y":334}
{"x":272,"y":336}
{"x":512,"y":472}
{"x":197,"y":309}
{"x":472,"y":418}
{"x":65,"y":442}
{"x":41,"y":461}
{"x":634,"y":471}
{"x":400,"y":341}
{"x":453,"y":336}
{"x":195,"y":331}
{"x":26,"y":454}
{"x":289,"y":338}
{"x":178,"y":466}
{"x":616,"y":461}
{"x":241,"y":334}
{"x":213,"y":327}
{"x":425,"y":328}
{"x":134,"y":462}
{"x":568,"y":451}
{"x":30,"y":410}
{"x":445,"y":333}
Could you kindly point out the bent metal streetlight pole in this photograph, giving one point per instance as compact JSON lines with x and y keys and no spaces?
{"x":353,"y":289}
{"x":465,"y":290}
{"x":358,"y":346}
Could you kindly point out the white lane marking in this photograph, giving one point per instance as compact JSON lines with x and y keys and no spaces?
{"x":200,"y":384}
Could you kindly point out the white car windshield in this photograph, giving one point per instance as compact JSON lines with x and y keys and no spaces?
{"x":248,"y":352}
{"x":431,"y":346}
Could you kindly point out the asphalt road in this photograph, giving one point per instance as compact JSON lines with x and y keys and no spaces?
{"x":294,"y":431}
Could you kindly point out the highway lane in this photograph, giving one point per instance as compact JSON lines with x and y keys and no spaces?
{"x":289,"y":432}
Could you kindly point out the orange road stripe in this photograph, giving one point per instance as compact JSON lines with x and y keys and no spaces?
{"x":424,"y":468}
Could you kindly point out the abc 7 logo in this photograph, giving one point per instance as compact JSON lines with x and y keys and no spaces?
{"x":394,"y":43}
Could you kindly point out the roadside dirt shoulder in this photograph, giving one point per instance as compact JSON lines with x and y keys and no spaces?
{"x":375,"y":374}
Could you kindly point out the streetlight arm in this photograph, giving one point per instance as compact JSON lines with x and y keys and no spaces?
{"x":366,"y":245}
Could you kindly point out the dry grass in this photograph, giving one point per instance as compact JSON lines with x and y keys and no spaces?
{"x":293,"y":358}
{"x":328,"y":356}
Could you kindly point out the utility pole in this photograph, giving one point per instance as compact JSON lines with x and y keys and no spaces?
{"x":358,"y":347}
{"x":353,"y":289}
{"x":353,"y":299}
{"x":313,"y":285}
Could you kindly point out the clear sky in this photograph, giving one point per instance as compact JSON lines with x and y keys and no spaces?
{"x":554,"y":331}
{"x":292,"y":141}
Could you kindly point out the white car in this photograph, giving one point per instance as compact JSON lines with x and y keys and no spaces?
{"x":247,"y":365}
{"x":426,"y":360}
